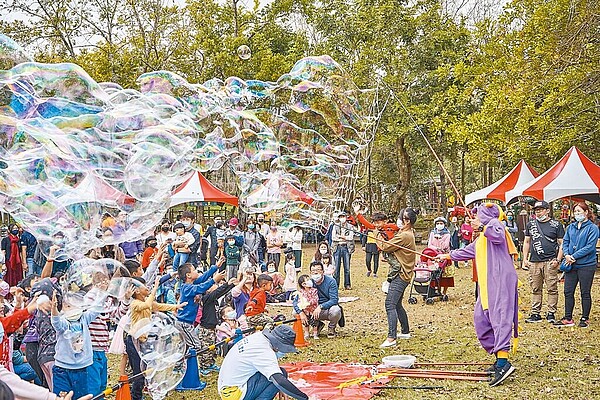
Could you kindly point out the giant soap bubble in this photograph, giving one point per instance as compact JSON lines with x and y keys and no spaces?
{"x":74,"y":150}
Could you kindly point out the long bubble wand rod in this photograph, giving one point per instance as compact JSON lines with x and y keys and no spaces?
{"x":387,"y":242}
{"x":120,"y":384}
{"x":458,"y":195}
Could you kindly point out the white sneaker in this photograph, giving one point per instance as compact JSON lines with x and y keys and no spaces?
{"x":387,"y":343}
{"x":403,"y":336}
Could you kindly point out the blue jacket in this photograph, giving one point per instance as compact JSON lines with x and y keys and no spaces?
{"x":328,"y":292}
{"x":581,"y":243}
{"x":189,"y":291}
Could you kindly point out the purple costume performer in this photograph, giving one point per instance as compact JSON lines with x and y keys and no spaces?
{"x":496,"y":309}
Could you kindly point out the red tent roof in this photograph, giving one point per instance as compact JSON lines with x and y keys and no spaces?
{"x":519,"y":175}
{"x":574,"y":175}
{"x":198,"y":188}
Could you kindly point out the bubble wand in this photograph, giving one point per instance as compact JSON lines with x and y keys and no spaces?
{"x":117,"y":386}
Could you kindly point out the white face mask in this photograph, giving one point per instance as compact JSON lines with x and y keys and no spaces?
{"x":271,"y":269}
{"x":186,"y":223}
{"x":579,"y":217}
{"x":230,"y":315}
{"x":316,"y":277}
{"x":342,"y":220}
{"x":323,"y":251}
{"x":439,"y":227}
{"x":308,"y":284}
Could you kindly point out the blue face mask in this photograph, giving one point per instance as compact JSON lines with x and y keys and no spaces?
{"x":279,"y":354}
{"x":579,"y":217}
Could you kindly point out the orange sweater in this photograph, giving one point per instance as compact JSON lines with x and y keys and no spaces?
{"x":257,"y":303}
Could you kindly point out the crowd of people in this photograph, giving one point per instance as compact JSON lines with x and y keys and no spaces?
{"x":217,"y":281}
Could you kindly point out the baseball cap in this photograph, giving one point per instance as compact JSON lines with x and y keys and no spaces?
{"x":233,"y":221}
{"x":541,"y":204}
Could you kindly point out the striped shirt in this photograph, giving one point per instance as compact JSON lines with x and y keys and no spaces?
{"x":99,"y":333}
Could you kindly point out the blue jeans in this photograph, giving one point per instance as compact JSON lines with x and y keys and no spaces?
{"x":342,"y":255}
{"x":98,"y":373}
{"x":179,"y":260}
{"x":32,"y":267}
{"x":260,"y":388}
{"x":26,"y":372}
{"x":65,"y":380}
{"x":136,"y":385}
{"x":394,"y":309}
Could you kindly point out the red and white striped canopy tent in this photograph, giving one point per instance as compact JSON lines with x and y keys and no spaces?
{"x":519,"y":175}
{"x":94,"y":189}
{"x":198,"y":188}
{"x":574,"y":175}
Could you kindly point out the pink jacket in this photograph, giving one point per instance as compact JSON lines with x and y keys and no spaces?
{"x":24,"y":390}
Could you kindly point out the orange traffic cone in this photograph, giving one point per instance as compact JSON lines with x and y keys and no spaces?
{"x":300,"y":342}
{"x":124,"y":393}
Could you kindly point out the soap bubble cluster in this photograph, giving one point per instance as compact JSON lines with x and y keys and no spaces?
{"x":74,"y":150}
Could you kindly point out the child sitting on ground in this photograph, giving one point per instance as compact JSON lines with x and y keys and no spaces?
{"x":256,"y":307}
{"x":305,"y":301}
{"x":275,"y":295}
{"x":181,"y":245}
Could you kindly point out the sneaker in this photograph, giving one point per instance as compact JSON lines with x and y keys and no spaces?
{"x":374,"y":275}
{"x":368,"y":273}
{"x":584,"y":322}
{"x":550,"y":318}
{"x":348,"y":287}
{"x":316,"y":336}
{"x":445,"y":297}
{"x":205,"y":372}
{"x":491,"y":370}
{"x":533,"y":318}
{"x":214,"y":367}
{"x":331,"y":333}
{"x":564,"y":323}
{"x":387,"y":343}
{"x":500,"y":374}
{"x":320,"y":327}
{"x":525,"y":268}
{"x":403,"y":336}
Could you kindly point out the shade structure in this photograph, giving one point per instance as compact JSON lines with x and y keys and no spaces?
{"x":198,"y":188}
{"x":94,"y":189}
{"x":274,"y":190}
{"x":519,"y":175}
{"x":574,"y":175}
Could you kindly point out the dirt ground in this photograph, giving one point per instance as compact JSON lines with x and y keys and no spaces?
{"x":550,"y":362}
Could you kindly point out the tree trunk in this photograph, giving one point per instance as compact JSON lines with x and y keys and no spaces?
{"x":404,"y":175}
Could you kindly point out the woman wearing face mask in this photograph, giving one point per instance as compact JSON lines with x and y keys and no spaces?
{"x":164,"y":233}
{"x":150,"y":251}
{"x":305,"y":301}
{"x":11,"y":249}
{"x":579,"y":264}
{"x":322,"y":249}
{"x":241,"y":293}
{"x":274,"y":244}
{"x":252,"y":242}
{"x":109,"y":250}
{"x":439,"y":240}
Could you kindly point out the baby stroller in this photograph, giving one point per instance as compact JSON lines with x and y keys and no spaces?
{"x":426,"y":281}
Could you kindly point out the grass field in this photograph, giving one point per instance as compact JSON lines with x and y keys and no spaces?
{"x":551,"y":363}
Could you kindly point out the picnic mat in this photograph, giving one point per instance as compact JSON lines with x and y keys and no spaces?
{"x":324,"y":380}
{"x":340,"y":300}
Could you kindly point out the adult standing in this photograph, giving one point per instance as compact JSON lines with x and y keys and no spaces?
{"x":108,"y":250}
{"x":188,"y":219}
{"x":252,"y":241}
{"x":132,"y":249}
{"x":542,"y":252}
{"x":401,"y":258}
{"x":579,"y":248}
{"x":28,"y":246}
{"x":211,"y":233}
{"x":439,"y":240}
{"x":11,"y":249}
{"x":234,"y":231}
{"x":342,"y":239}
{"x":328,"y":308}
{"x":295,"y":242}
{"x":165,"y":233}
{"x":251,"y":371}
{"x":454,"y":230}
{"x":274,"y":244}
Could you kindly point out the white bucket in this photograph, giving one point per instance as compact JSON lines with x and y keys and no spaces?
{"x":399,"y":361}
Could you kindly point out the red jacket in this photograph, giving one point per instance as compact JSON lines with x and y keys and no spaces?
{"x":10,"y":324}
{"x":257,"y":302}
{"x":388,"y":230}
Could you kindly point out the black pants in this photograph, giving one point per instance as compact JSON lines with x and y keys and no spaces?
{"x":137,"y":385}
{"x":31,"y":352}
{"x":375,"y":258}
{"x":584,"y":276}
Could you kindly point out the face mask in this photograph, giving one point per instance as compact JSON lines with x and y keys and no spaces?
{"x":231,"y":242}
{"x":510,"y":217}
{"x":230,"y":315}
{"x":439,"y":227}
{"x":250,"y":226}
{"x":323,"y":251}
{"x":59,"y":241}
{"x":187,"y":224}
{"x":14,"y":231}
{"x":271,"y":269}
{"x":279,"y":354}
{"x":544,"y":218}
{"x":153,"y":244}
{"x":579,"y":217}
{"x":316,"y":277}
{"x":342,"y":220}
{"x":261,"y":220}
{"x":308,"y":284}
{"x":165,"y":229}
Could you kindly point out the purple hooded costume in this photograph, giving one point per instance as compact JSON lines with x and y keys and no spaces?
{"x":496,"y":309}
